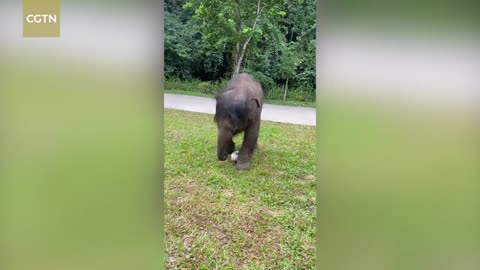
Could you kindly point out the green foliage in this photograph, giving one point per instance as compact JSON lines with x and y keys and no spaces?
{"x":204,"y":87}
{"x":204,"y":41}
{"x":178,"y":84}
{"x":288,"y":64}
{"x":195,"y":85}
{"x":182,"y":47}
{"x":267,"y":82}
{"x":212,"y":87}
{"x":301,"y":95}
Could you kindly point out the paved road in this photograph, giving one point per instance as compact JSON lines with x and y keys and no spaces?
{"x":275,"y":113}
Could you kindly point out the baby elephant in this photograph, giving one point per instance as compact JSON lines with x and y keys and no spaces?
{"x":238,"y":110}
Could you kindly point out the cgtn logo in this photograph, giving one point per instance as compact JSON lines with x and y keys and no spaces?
{"x":41,"y":18}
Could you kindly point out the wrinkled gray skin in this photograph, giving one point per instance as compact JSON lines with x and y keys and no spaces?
{"x":238,"y":110}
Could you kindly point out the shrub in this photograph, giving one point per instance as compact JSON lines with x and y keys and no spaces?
{"x":272,"y":92}
{"x":275,"y":93}
{"x":177,"y":84}
{"x":267,"y":83}
{"x":302,"y":94}
{"x":205,"y":87}
{"x":221,"y":85}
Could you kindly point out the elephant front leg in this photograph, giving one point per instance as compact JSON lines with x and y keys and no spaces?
{"x":246,"y":151}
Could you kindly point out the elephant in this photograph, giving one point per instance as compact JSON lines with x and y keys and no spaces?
{"x":238,"y":109}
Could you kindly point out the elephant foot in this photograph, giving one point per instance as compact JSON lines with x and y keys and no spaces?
{"x":243,"y":165}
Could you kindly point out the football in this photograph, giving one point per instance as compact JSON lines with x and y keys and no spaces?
{"x":234,"y":156}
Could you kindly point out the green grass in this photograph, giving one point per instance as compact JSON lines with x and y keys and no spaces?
{"x":221,"y":218}
{"x":268,"y":101}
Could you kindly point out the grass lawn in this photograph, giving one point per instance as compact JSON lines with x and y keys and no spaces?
{"x":221,"y":218}
{"x":268,"y":101}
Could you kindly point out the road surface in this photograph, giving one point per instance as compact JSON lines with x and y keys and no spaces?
{"x":275,"y":113}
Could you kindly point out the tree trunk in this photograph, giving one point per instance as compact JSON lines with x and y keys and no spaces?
{"x":235,"y":57}
{"x":238,"y":62}
{"x":291,"y":34}
{"x":236,"y":71}
{"x":285,"y":90}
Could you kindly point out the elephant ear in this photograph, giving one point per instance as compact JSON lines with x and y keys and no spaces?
{"x":259,"y":104}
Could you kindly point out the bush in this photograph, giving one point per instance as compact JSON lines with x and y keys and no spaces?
{"x":205,"y":87}
{"x":177,"y":84}
{"x":301,"y":96}
{"x":293,"y":94}
{"x":273,"y":92}
{"x":267,"y":83}
{"x":221,"y":85}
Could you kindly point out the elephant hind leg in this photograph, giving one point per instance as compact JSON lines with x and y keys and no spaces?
{"x":243,"y":166}
{"x":249,"y":144}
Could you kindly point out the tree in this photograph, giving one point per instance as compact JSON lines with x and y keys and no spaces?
{"x":273,"y":40}
{"x":234,"y":24}
{"x":182,"y":46}
{"x":287,"y":66}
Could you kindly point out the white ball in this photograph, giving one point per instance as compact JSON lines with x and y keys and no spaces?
{"x":234,"y":156}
